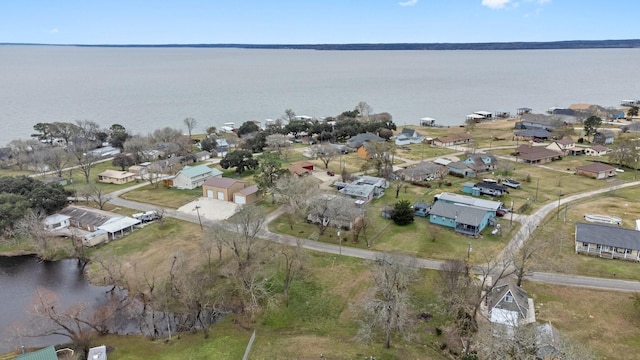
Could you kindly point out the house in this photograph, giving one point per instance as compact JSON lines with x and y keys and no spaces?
{"x":461,"y":168}
{"x":116,"y":177}
{"x":604,"y":137}
{"x":233,"y":190}
{"x":368,"y":149}
{"x":452,"y":140}
{"x":57,"y":221}
{"x":363,"y":192}
{"x":489,"y":188}
{"x":191,"y":177}
{"x":409,"y":136}
{"x":563,"y":145}
{"x":380,"y":183}
{"x":502,"y":114}
{"x":97,"y":353}
{"x":427,"y":121}
{"x":95,"y":238}
{"x":596,"y":170}
{"x":222,"y":147}
{"x":464,"y":219}
{"x":532,"y":134}
{"x":523,"y":110}
{"x":452,"y":198}
{"x":106,"y":151}
{"x":48,"y":353}
{"x":202,"y":155}
{"x":607,"y":241}
{"x":302,"y":168}
{"x":101,"y":225}
{"x":509,"y":304}
{"x":118,"y":226}
{"x":422,"y":171}
{"x":536,"y":154}
{"x":596,"y":150}
{"x":357,"y":141}
{"x":481,"y":162}
{"x":387,"y":211}
{"x":334,"y":211}
{"x":140,"y":170}
{"x":84,"y":218}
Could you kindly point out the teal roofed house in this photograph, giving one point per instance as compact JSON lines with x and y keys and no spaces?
{"x":48,"y":353}
{"x":191,"y":177}
{"x":464,"y":219}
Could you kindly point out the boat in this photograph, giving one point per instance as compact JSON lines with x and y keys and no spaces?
{"x":603,"y":219}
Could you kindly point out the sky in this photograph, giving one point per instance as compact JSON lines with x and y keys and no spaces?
{"x":314,"y":21}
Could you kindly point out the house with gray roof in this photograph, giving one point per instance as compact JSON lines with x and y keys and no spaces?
{"x":464,"y":219}
{"x":422,"y":171}
{"x":359,"y":140}
{"x":604,"y":137}
{"x":409,"y":136}
{"x":191,"y":177}
{"x":508,"y":304}
{"x":607,"y":241}
{"x":364,"y":192}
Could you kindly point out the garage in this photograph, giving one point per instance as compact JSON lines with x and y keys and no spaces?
{"x":210,"y":194}
{"x":239,"y":199}
{"x":220,"y":195}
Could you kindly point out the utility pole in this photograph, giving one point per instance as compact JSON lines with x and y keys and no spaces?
{"x":560,"y":194}
{"x":197,"y":209}
{"x":537,"y":183}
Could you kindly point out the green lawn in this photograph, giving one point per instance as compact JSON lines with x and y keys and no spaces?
{"x":163,"y":196}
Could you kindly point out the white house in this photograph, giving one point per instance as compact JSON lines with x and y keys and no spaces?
{"x":57,"y":221}
{"x":408,"y":136}
{"x":191,"y":177}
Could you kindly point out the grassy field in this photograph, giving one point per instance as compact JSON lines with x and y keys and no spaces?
{"x":163,"y":196}
{"x":606,"y":322}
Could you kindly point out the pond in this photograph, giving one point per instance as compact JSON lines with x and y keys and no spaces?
{"x":20,"y":279}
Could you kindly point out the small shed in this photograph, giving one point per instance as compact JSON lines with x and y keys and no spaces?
{"x":95,"y":238}
{"x":97,"y":353}
{"x":470,"y":188}
{"x":57,"y":221}
{"x":421,"y":209}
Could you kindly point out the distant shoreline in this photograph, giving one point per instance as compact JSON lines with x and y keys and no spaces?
{"x":551,"y":45}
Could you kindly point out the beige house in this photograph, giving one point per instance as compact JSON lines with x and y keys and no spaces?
{"x":596,"y":170}
{"x":454,"y":139}
{"x":596,"y":150}
{"x":226,"y":189}
{"x":564,"y":145}
{"x":116,"y":177}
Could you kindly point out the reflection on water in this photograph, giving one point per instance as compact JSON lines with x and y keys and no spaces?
{"x":21,"y":276}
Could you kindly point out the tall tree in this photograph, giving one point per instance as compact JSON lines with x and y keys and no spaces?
{"x":591,"y":125}
{"x":57,"y":159}
{"x":118,"y":136}
{"x":43,"y":132}
{"x":191,"y":124}
{"x":325,"y":152}
{"x":65,"y":130}
{"x":294,"y":192}
{"x":209,"y":144}
{"x":402,"y":213}
{"x":248,"y":127}
{"x":123,"y":161}
{"x":269,"y":170}
{"x":364,"y":110}
{"x":239,"y":159}
{"x":388,"y":306}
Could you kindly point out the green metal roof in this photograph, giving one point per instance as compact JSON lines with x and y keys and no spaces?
{"x":48,"y":353}
{"x":193,"y":171}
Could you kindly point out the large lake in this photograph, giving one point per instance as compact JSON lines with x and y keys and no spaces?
{"x":147,"y":88}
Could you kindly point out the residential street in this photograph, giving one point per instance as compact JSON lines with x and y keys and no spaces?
{"x":529,"y":223}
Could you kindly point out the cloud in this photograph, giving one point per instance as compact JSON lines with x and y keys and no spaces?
{"x":496,"y":4}
{"x":53,"y":31}
{"x":408,"y":3}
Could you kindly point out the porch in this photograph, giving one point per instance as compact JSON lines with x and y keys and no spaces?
{"x":608,"y":252}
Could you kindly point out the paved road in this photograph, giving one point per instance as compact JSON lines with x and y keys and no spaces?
{"x":529,"y":223}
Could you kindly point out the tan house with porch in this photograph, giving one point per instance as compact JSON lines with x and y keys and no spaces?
{"x":596,"y":170}
{"x":116,"y":177}
{"x":607,"y":241}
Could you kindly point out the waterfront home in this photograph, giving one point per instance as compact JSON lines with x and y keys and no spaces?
{"x":357,"y":141}
{"x":408,"y":136}
{"x":422,"y":171}
{"x":481,"y":162}
{"x":191,"y":177}
{"x":563,"y":145}
{"x":452,"y":140}
{"x":532,"y":134}
{"x":462,"y":169}
{"x":596,"y":150}
{"x":606,"y":241}
{"x":202,"y":155}
{"x":596,"y":170}
{"x":57,"y":221}
{"x":116,"y":177}
{"x":464,"y":219}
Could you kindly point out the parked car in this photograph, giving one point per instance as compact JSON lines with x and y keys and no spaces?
{"x":330,"y":173}
{"x":511,"y":183}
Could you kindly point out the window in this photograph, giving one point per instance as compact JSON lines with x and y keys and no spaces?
{"x":508,"y":298}
{"x":585,"y":244}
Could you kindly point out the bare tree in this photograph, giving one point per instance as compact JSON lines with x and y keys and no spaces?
{"x":32,"y":227}
{"x":388,"y":306}
{"x":190,"y":123}
{"x":97,"y":195}
{"x":280,"y":144}
{"x":524,"y":257}
{"x":380,"y":157}
{"x":364,"y":110}
{"x":21,"y":151}
{"x":140,"y":147}
{"x":331,"y":210}
{"x":294,"y":260}
{"x":325,"y":152}
{"x":81,"y":150}
{"x":293,"y":193}
{"x":56,"y":159}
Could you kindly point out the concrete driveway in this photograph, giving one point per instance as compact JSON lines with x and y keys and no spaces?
{"x":210,"y":209}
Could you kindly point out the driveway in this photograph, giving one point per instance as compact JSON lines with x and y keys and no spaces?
{"x":210,"y":209}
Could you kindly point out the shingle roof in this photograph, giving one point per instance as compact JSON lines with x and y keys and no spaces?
{"x":599,"y":148}
{"x":224,"y":183}
{"x":595,"y":167}
{"x":468,"y":200}
{"x":536,"y":133}
{"x":463,"y":214}
{"x":358,"y":140}
{"x":608,"y":235}
{"x":504,"y":286}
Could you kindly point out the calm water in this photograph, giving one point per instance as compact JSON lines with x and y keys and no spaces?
{"x":144,"y":89}
{"x":21,"y":276}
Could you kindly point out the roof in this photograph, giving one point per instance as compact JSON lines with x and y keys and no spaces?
{"x":453,"y":138}
{"x":599,"y":148}
{"x":198,"y":170}
{"x":224,"y":183}
{"x":202,"y":153}
{"x":608,"y":235}
{"x":535,"y":133}
{"x":422,"y":168}
{"x":116,"y":174}
{"x":488,"y":185}
{"x":89,"y":216}
{"x":441,"y":161}
{"x":97,"y":353}
{"x":371,"y":180}
{"x":606,"y":133}
{"x":249,"y":190}
{"x":471,"y":201}
{"x":409,"y":132}
{"x":566,"y":141}
{"x":464,"y":214}
{"x":595,"y":167}
{"x":533,"y":153}
{"x":48,"y":353}
{"x":358,"y":140}
{"x":483,"y":113}
{"x":504,"y":287}
{"x":118,"y":224}
{"x":358,"y":190}
{"x":56,"y":218}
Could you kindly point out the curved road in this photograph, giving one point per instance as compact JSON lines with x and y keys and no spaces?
{"x":528,"y":223}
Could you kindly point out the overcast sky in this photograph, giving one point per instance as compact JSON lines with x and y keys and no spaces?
{"x":314,"y":21}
